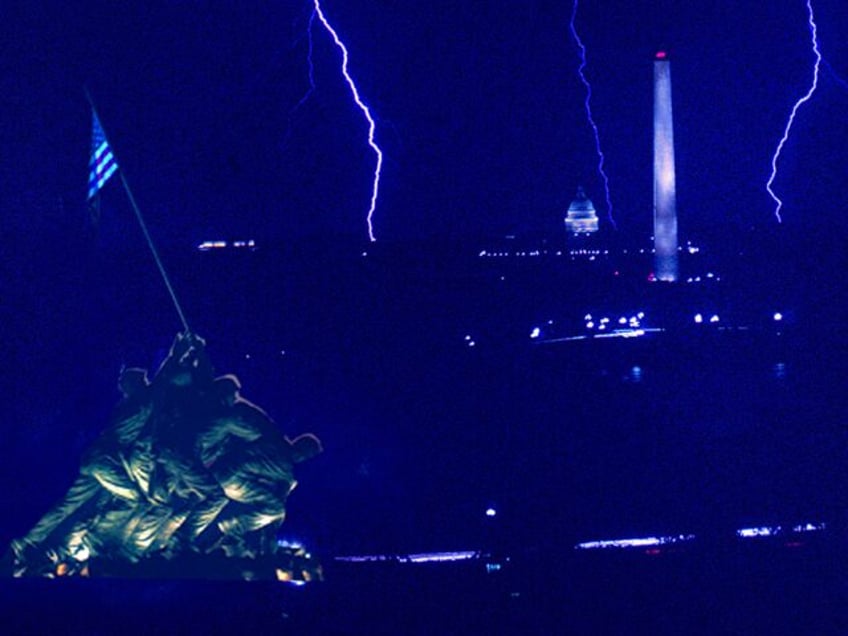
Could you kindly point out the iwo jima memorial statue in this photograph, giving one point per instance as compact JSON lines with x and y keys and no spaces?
{"x":188,"y":480}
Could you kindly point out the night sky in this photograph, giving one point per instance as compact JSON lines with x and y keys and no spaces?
{"x":478,"y":105}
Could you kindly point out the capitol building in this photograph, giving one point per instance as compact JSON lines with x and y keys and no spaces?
{"x":581,"y":218}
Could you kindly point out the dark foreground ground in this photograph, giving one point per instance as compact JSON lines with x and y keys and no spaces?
{"x":695,"y":431}
{"x":756,"y":587}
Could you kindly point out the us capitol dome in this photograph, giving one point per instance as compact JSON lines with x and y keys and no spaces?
{"x":582,"y":218}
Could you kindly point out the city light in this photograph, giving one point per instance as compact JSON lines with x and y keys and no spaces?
{"x":440,"y":557}
{"x":211,"y":245}
{"x":367,"y":558}
{"x":205,"y":246}
{"x":763,"y":531}
{"x":423,"y":557}
{"x":623,"y":333}
{"x":810,"y":527}
{"x":634,"y":543}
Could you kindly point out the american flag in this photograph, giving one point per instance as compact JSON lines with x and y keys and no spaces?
{"x":102,"y":164}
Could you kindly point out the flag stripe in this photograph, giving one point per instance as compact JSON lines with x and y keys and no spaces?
{"x":101,"y":149}
{"x":102,"y":163}
{"x":93,"y":188}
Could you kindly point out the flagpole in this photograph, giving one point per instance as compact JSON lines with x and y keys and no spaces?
{"x":143,"y":225}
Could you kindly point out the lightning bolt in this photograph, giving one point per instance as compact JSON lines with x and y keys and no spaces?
{"x":365,"y":111}
{"x":311,"y":88}
{"x":588,"y":105}
{"x":806,"y":97}
{"x":311,"y":75}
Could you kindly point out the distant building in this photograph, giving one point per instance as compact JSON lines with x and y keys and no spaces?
{"x":582,"y":218}
{"x":665,"y":197}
